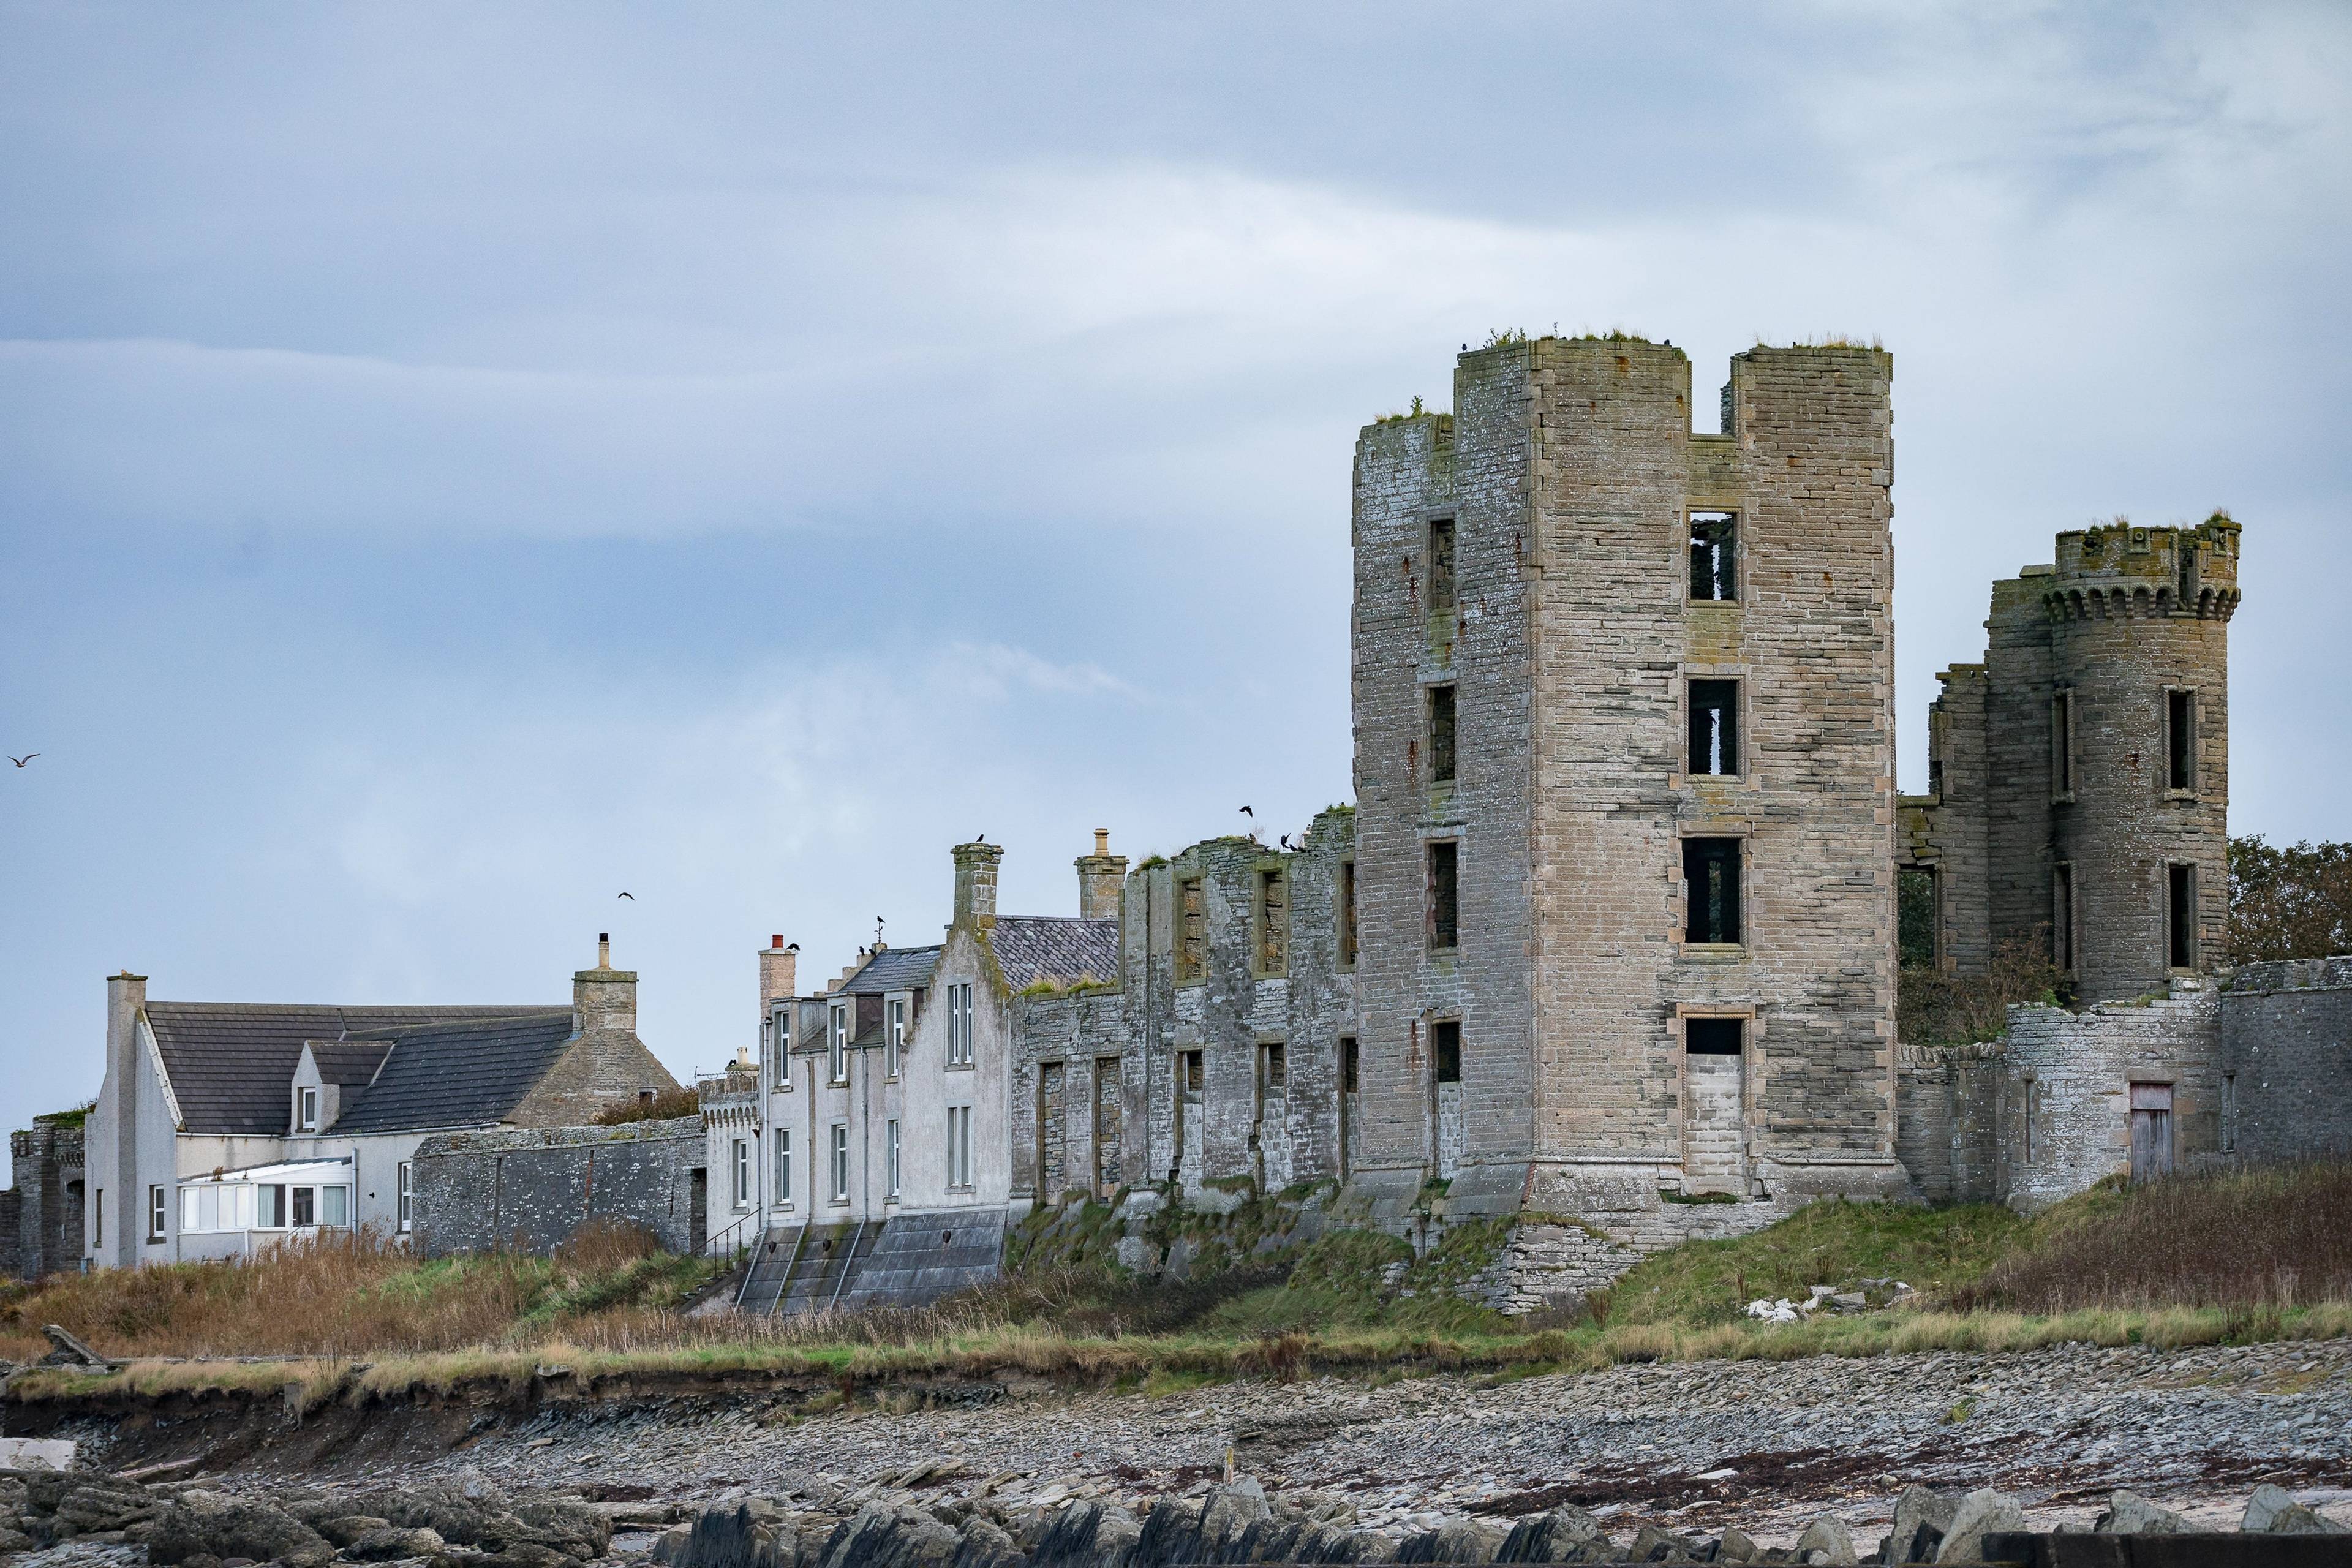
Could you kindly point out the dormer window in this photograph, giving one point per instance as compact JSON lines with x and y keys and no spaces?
{"x":838,"y":1041}
{"x":306,"y":1111}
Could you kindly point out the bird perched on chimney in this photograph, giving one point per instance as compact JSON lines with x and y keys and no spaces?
{"x":979,"y":838}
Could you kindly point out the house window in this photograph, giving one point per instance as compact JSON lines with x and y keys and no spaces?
{"x":269,"y":1207}
{"x":306,"y":1208}
{"x":1273,"y":1072}
{"x":2062,"y":916}
{"x":1347,"y":914}
{"x":334,"y":1207}
{"x":959,"y":1146}
{"x":1191,"y":929}
{"x":1273,"y":922}
{"x":894,"y":1037}
{"x":784,"y":1048}
{"x":1441,"y":734}
{"x":2062,"y":746}
{"x":1444,"y":895}
{"x":1711,"y":889}
{"x":306,"y":1111}
{"x":1443,"y":596}
{"x":838,"y":1046}
{"x":191,"y":1210}
{"x":405,"y":1197}
{"x":740,"y":1167}
{"x":1713,"y":536}
{"x":155,"y":1213}
{"x":2180,"y":740}
{"x":959,"y":1023}
{"x":841,"y":1161}
{"x":1715,"y":727}
{"x":1445,"y":1046}
{"x":2180,"y":916}
{"x":783,"y":1167}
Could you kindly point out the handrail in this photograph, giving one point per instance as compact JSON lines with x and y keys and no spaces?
{"x":711,"y":1247}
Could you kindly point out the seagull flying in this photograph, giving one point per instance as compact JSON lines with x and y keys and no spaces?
{"x":1248,"y":813}
{"x":631,"y":896}
{"x":27,"y":757}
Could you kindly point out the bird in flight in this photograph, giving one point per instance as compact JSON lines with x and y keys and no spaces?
{"x":631,"y":896}
{"x":1248,"y":813}
{"x":27,"y":757}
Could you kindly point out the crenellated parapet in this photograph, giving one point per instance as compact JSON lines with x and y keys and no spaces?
{"x":2119,"y":572}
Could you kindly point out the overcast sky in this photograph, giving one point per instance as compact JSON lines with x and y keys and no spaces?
{"x":459,"y":462}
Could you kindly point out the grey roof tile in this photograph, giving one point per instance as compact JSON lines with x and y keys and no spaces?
{"x":231,"y":1063}
{"x":469,"y":1074}
{"x":348,"y":1062}
{"x":893,"y":969}
{"x":1058,"y":949}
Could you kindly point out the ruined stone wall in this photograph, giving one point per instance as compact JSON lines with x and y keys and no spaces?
{"x":42,"y":1210}
{"x":535,"y":1187}
{"x":2286,"y":1057}
{"x":2067,"y":1122}
{"x":1949,"y":1101}
{"x":1945,"y":830}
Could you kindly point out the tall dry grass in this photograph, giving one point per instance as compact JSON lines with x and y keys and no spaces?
{"x":2273,"y":1236}
{"x":342,"y":1294}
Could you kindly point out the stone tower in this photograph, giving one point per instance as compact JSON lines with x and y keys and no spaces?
{"x":1624,"y":763}
{"x":2079,"y":783}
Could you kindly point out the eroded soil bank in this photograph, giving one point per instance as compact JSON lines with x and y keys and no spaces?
{"x":1693,"y":1445}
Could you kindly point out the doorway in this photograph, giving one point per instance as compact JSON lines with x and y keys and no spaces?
{"x":2151,"y":1131}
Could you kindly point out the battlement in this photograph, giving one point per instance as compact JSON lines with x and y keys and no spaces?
{"x":2119,"y":571}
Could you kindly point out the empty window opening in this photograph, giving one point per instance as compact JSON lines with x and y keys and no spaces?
{"x":2032,"y":1104}
{"x":1714,"y":535}
{"x":1711,"y":889}
{"x":1441,"y":734}
{"x":1191,"y":929}
{"x":1445,"y":1045}
{"x":1347,"y":914}
{"x":2180,"y":739}
{"x":1713,"y":1036}
{"x":1273,"y":922}
{"x":1442,"y":592}
{"x":1444,"y":895}
{"x":2062,"y":916}
{"x":1914,"y":916}
{"x":1715,"y":727}
{"x":2062,"y":745}
{"x":2180,"y":916}
{"x":2228,"y":1113}
{"x":1194,"y":1076}
{"x":1273,"y":1074}
{"x":1348,"y":1064}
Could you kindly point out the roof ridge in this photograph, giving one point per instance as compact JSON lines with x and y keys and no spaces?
{"x":480,"y":1009}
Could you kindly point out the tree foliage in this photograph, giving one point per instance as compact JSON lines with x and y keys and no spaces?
{"x":2292,"y":903}
{"x":1935,"y":1007}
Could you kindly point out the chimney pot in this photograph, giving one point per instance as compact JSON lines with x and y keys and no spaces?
{"x":603,"y":950}
{"x":1102,"y":840}
{"x":777,"y":939}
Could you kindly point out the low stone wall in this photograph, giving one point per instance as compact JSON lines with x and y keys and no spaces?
{"x":535,"y":1187}
{"x":1547,"y":1263}
{"x":2286,"y":1057}
{"x":2068,"y":1123}
{"x":1947,"y":1102}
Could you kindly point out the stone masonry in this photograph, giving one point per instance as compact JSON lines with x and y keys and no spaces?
{"x":534,"y":1187}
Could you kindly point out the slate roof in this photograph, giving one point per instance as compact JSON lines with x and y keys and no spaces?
{"x":1056,"y":948}
{"x":231,"y":1063}
{"x":348,"y":1062}
{"x":468,"y":1074}
{"x":893,"y":969}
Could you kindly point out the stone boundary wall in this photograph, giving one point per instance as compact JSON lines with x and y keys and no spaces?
{"x":1947,"y":1104}
{"x":2286,"y":1059}
{"x":534,"y":1187}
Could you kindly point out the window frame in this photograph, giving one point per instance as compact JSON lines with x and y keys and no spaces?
{"x":2180,"y":917}
{"x":1723,"y":553}
{"x":1728,"y":739}
{"x":739,"y":1174}
{"x":1190,"y":957}
{"x":1449,"y":578}
{"x":1347,"y":902}
{"x":836,"y":1044}
{"x":158,"y":1218}
{"x":1270,"y":953}
{"x":2183,"y":723}
{"x":2063,"y":722}
{"x":1352,"y":1068}
{"x":306,"y":1109}
{"x":841,"y":1161}
{"x":783,"y":1196}
{"x":894,"y":1034}
{"x":1272,"y":1068}
{"x":1442,"y":894}
{"x":300,"y":1197}
{"x":890,"y":1156}
{"x":1441,"y":697}
{"x":403,"y":1196}
{"x":1443,"y":1032}
{"x":1734,"y":854}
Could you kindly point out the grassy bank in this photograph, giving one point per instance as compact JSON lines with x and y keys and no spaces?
{"x":2229,"y":1259}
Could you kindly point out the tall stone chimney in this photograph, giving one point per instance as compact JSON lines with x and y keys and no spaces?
{"x":1101,"y":875}
{"x":604,"y":999}
{"x":779,"y":973}
{"x":975,"y":884}
{"x":126,"y":994}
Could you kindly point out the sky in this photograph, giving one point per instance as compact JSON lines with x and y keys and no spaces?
{"x":458,"y":463}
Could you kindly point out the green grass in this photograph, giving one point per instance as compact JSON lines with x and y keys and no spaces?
{"x":1830,"y":1243}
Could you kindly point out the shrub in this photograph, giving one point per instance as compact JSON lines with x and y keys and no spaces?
{"x":668,"y":1105}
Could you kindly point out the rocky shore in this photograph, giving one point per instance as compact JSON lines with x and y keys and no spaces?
{"x":1708,"y":1460}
